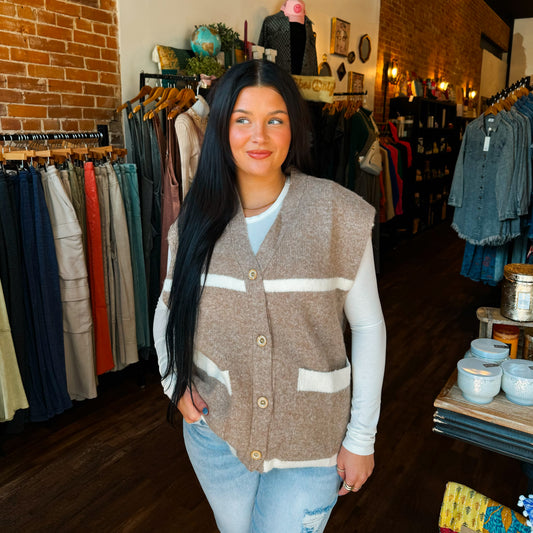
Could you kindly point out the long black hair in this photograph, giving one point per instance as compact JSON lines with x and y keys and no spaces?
{"x":212,"y":201}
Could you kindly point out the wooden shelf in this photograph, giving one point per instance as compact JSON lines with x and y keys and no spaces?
{"x":500,"y":411}
{"x":488,"y":316}
{"x":417,"y":206}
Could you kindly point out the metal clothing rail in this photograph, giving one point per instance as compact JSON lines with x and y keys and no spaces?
{"x":524,"y":82}
{"x":351,"y":94}
{"x":102,"y":134}
{"x":168,"y":77}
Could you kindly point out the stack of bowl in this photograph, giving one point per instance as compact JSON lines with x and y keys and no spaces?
{"x":517,"y":381}
{"x":479,"y":381}
{"x":479,"y":373}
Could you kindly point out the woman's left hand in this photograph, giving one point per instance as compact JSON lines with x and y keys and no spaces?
{"x":353,"y":469}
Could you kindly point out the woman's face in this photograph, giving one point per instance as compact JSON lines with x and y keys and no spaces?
{"x":259,"y":133}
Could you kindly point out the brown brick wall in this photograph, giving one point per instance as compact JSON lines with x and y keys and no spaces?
{"x":435,"y":39}
{"x":59,"y":65}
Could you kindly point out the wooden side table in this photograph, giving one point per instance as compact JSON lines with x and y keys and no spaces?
{"x":500,"y":426}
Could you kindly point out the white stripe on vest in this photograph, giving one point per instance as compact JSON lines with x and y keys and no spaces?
{"x":223,"y":282}
{"x":276,"y":285}
{"x":278,"y":463}
{"x":307,"y":285}
{"x":212,"y":370}
{"x":314,"y":381}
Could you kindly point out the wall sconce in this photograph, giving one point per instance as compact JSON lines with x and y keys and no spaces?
{"x":393,"y":72}
{"x":470,"y":93}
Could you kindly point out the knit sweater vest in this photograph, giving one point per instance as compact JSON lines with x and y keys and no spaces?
{"x":270,"y":359}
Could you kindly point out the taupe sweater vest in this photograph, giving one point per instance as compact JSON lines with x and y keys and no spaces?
{"x":270,"y":358}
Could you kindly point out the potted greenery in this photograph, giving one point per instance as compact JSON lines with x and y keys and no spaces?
{"x":207,"y":65}
{"x":230,"y":42}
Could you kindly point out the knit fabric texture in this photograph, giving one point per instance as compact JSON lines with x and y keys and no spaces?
{"x":270,"y":359}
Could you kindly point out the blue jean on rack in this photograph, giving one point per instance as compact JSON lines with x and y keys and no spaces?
{"x":47,"y":369}
{"x":484,"y":263}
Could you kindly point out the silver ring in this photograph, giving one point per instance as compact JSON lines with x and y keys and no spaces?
{"x":347,"y":487}
{"x":340,"y":469}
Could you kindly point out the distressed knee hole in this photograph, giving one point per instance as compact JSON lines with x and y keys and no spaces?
{"x":315,"y":521}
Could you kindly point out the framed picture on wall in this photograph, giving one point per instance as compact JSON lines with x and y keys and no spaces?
{"x":355,"y":85}
{"x":340,"y":37}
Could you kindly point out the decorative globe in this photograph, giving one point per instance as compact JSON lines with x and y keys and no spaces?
{"x":205,"y":41}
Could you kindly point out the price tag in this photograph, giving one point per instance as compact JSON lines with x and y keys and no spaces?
{"x":486,"y":144}
{"x":523,"y":300}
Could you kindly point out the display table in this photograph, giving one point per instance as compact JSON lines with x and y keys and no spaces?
{"x":500,"y":426}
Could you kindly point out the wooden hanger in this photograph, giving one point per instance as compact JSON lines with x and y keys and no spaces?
{"x":19,"y":155}
{"x":187,"y":99}
{"x":491,"y":110}
{"x":494,"y":109}
{"x":335,"y":107}
{"x":80,"y":153}
{"x":120,"y":152}
{"x":100,"y":151}
{"x":352,"y":108}
{"x":154,"y":96}
{"x":61,"y":152}
{"x":146,"y":90}
{"x":172,"y":97}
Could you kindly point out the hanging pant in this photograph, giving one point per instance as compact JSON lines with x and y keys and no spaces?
{"x":65,"y":181}
{"x":77,"y":186}
{"x":117,"y":258}
{"x":104,"y":355}
{"x":127,"y":178}
{"x":12,"y":395}
{"x":170,"y":197}
{"x":12,"y":276}
{"x":74,"y":286}
{"x":125,"y":320}
{"x":105,"y":231}
{"x":44,"y":306}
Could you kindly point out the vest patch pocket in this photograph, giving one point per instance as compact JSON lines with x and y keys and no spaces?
{"x":212,"y":370}
{"x":329,"y":382}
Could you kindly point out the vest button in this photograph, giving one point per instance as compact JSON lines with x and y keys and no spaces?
{"x":262,"y":402}
{"x":252,"y":274}
{"x":256,"y":455}
{"x":261,"y":341}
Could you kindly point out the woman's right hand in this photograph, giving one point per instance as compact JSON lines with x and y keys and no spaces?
{"x":187,"y":408}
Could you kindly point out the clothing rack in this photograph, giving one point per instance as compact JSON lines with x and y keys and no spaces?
{"x":524,"y":82}
{"x":351,"y":94}
{"x":102,"y":134}
{"x":168,"y":77}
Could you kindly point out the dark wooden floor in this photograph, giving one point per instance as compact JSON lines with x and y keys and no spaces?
{"x":113,"y":463}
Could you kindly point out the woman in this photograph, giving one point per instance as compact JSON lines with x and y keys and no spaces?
{"x":269,"y":262}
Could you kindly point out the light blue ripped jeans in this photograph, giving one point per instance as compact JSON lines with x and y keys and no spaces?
{"x":293,"y":500}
